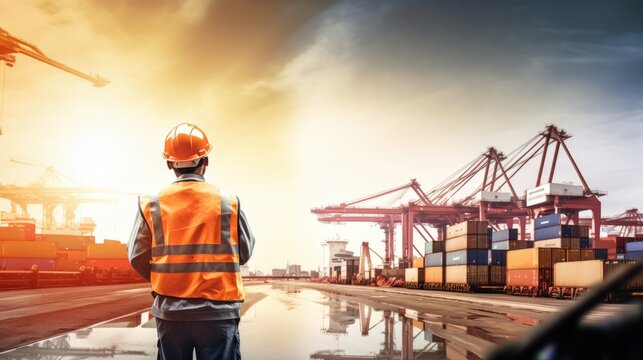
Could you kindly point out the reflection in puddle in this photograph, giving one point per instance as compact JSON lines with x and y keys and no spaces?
{"x":288,"y":323}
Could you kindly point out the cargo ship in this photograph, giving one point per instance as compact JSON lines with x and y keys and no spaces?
{"x":59,"y":257}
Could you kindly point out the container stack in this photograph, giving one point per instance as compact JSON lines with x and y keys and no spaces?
{"x":549,"y":232}
{"x":22,"y":255}
{"x":414,"y":276}
{"x":434,"y":265}
{"x":467,"y":256}
{"x":111,"y":254}
{"x":529,"y":271}
{"x":350,"y":267}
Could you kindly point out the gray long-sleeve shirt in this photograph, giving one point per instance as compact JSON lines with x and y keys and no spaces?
{"x":139,"y":250}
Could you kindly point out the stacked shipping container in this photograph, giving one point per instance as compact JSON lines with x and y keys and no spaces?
{"x":467,"y":257}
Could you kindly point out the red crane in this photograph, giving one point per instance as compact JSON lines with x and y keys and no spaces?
{"x":10,"y":45}
{"x":628,"y":223}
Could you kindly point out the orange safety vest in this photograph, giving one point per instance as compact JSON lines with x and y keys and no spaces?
{"x":195,"y":243}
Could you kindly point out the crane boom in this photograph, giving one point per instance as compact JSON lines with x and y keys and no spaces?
{"x":10,"y":44}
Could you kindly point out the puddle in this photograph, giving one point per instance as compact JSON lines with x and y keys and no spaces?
{"x":287,"y":323}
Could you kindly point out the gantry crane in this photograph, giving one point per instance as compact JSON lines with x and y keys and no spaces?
{"x":10,"y":45}
{"x":49,"y":191}
{"x":442,"y":205}
{"x":628,"y":223}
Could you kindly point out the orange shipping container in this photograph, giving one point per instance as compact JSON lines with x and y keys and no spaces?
{"x":418,"y":262}
{"x":434,"y":275}
{"x":28,"y":249}
{"x":72,"y":255}
{"x":107,"y":251}
{"x":534,"y":258}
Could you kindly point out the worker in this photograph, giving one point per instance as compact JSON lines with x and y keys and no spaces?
{"x":189,"y":242}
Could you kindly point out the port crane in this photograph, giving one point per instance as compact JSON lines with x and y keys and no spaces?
{"x":442,"y":206}
{"x":11,"y":45}
{"x":628,"y":223}
{"x":50,"y":191}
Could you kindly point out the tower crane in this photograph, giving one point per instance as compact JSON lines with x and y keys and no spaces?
{"x":10,"y":45}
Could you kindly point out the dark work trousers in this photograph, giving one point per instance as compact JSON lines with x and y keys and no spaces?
{"x":215,"y":339}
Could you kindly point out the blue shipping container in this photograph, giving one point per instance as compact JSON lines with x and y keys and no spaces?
{"x":600,"y":254}
{"x":468,"y":257}
{"x":502,"y":235}
{"x":585,"y":243}
{"x":547,"y":221}
{"x":554,"y":232}
{"x":634,"y":246}
{"x":433,"y":260}
{"x":26,"y":263}
{"x":497,"y":257}
{"x":633,"y":255}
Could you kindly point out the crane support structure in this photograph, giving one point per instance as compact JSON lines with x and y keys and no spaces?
{"x":474,"y":192}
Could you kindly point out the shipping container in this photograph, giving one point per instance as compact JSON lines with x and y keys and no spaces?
{"x":539,"y":194}
{"x":107,"y":251}
{"x":69,"y":242}
{"x":13,"y":233}
{"x":511,"y":245}
{"x":503,"y":235}
{"x":567,"y":243}
{"x":418,"y":262}
{"x":461,"y":243}
{"x":27,"y":249}
{"x":432,"y":247}
{"x":467,"y":257}
{"x":634,"y":246}
{"x":558,"y":255}
{"x":436,"y":259}
{"x":69,"y":265}
{"x":633,"y":255}
{"x":434,"y":275}
{"x":573,"y":254}
{"x":547,"y":221}
{"x":585,"y":243}
{"x":467,"y":228}
{"x":584,"y":274}
{"x":497,"y":257}
{"x":561,"y":231}
{"x":414,"y":277}
{"x":583,"y":231}
{"x":43,"y":264}
{"x":467,"y":274}
{"x":587,"y":254}
{"x":497,"y":275}
{"x":71,"y":255}
{"x":534,"y":258}
{"x":600,"y":254}
{"x":537,"y":278}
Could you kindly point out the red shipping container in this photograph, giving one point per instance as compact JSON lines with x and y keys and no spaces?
{"x":529,"y":277}
{"x":107,"y":263}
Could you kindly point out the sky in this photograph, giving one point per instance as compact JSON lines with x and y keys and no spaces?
{"x":313,"y":103}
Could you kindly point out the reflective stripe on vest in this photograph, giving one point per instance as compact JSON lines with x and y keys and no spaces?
{"x":195,"y":246}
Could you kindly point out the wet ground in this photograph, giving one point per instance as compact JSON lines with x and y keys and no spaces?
{"x":295,"y":321}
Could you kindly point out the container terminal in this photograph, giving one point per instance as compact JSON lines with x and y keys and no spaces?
{"x":482,"y":262}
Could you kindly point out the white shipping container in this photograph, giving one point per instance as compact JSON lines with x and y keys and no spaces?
{"x":578,"y":273}
{"x":411,"y":275}
{"x":493,"y":196}
{"x":539,"y":194}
